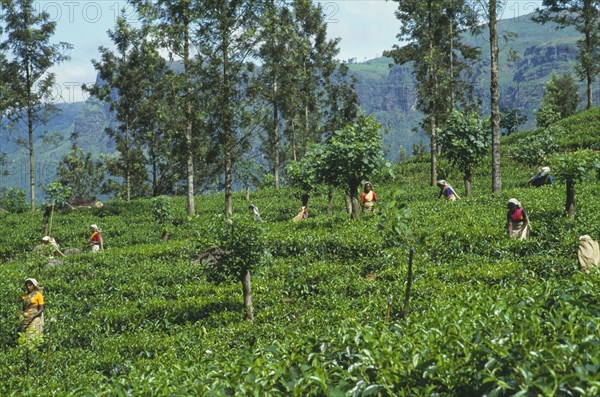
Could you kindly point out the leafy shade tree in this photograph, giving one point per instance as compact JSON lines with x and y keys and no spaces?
{"x":277,"y":26}
{"x":243,"y":240}
{"x":511,"y":119}
{"x":31,"y":55}
{"x":546,"y":115}
{"x":584,"y":16}
{"x":303,"y":173}
{"x":57,"y":194}
{"x":13,"y":199}
{"x":310,"y":64}
{"x":465,"y":142}
{"x":81,"y":173}
{"x":572,"y":168}
{"x":561,"y":95}
{"x":351,"y":155}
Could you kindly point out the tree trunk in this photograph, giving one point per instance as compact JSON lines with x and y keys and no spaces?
{"x":191,"y":205}
{"x":330,"y":203}
{"x":275,"y":135}
{"x":495,"y":99}
{"x":247,"y":193}
{"x":228,"y":182}
{"x":127,"y":164}
{"x":47,"y":215}
{"x":31,"y":157}
{"x":433,"y":146}
{"x":468,"y":178}
{"x":348,"y":202}
{"x":29,"y":84}
{"x":293,"y":142}
{"x":588,"y":67}
{"x":352,"y":189}
{"x":247,"y":288}
{"x":409,"y":278}
{"x":570,"y":202}
{"x":229,"y":134}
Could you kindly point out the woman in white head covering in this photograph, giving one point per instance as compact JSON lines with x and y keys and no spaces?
{"x":96,"y":241}
{"x":542,"y":177}
{"x":446,"y":190}
{"x":518,"y":222}
{"x":33,"y":310}
{"x":368,"y":197}
{"x":51,"y":247}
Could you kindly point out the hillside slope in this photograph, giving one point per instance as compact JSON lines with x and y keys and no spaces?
{"x":487,"y":315}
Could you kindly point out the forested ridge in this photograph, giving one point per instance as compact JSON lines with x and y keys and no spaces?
{"x":388,"y":93}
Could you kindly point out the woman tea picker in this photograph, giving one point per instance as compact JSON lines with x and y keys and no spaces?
{"x":518,"y":222}
{"x":446,"y":190}
{"x":368,"y":197}
{"x":33,"y":310}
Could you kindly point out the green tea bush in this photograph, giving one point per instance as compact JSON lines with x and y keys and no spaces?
{"x":13,"y":200}
{"x":487,"y":316}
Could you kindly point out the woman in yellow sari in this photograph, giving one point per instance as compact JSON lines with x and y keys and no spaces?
{"x":33,"y":310}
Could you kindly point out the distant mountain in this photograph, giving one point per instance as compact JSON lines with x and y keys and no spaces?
{"x":388,"y":93}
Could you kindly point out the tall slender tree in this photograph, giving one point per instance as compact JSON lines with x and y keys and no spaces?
{"x":174,"y":24}
{"x":584,"y":16}
{"x":228,"y":40}
{"x":277,"y":26}
{"x":432,"y":29}
{"x":311,"y":63}
{"x":31,"y":54}
{"x":492,"y":13}
{"x":122,"y":85}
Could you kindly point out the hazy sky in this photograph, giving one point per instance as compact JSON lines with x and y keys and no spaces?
{"x":366,"y":29}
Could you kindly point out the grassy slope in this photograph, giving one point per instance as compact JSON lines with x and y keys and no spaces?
{"x":488,"y":315}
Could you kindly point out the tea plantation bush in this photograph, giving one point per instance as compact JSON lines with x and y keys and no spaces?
{"x":487,"y":315}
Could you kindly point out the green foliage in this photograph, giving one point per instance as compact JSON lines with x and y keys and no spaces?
{"x":352,"y":154}
{"x":248,"y":171}
{"x":303,"y":173}
{"x":511,"y":119}
{"x":13,"y":199}
{"x":81,"y":173}
{"x":560,"y":96}
{"x":576,"y":166}
{"x":489,"y":315}
{"x":243,"y":240}
{"x":583,"y":130}
{"x":465,"y":140}
{"x":535,"y":148}
{"x":57,"y":194}
{"x":546,"y":115}
{"x":162,"y":209}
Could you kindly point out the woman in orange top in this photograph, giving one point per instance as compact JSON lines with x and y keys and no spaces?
{"x":368,"y":198}
{"x":33,"y":310}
